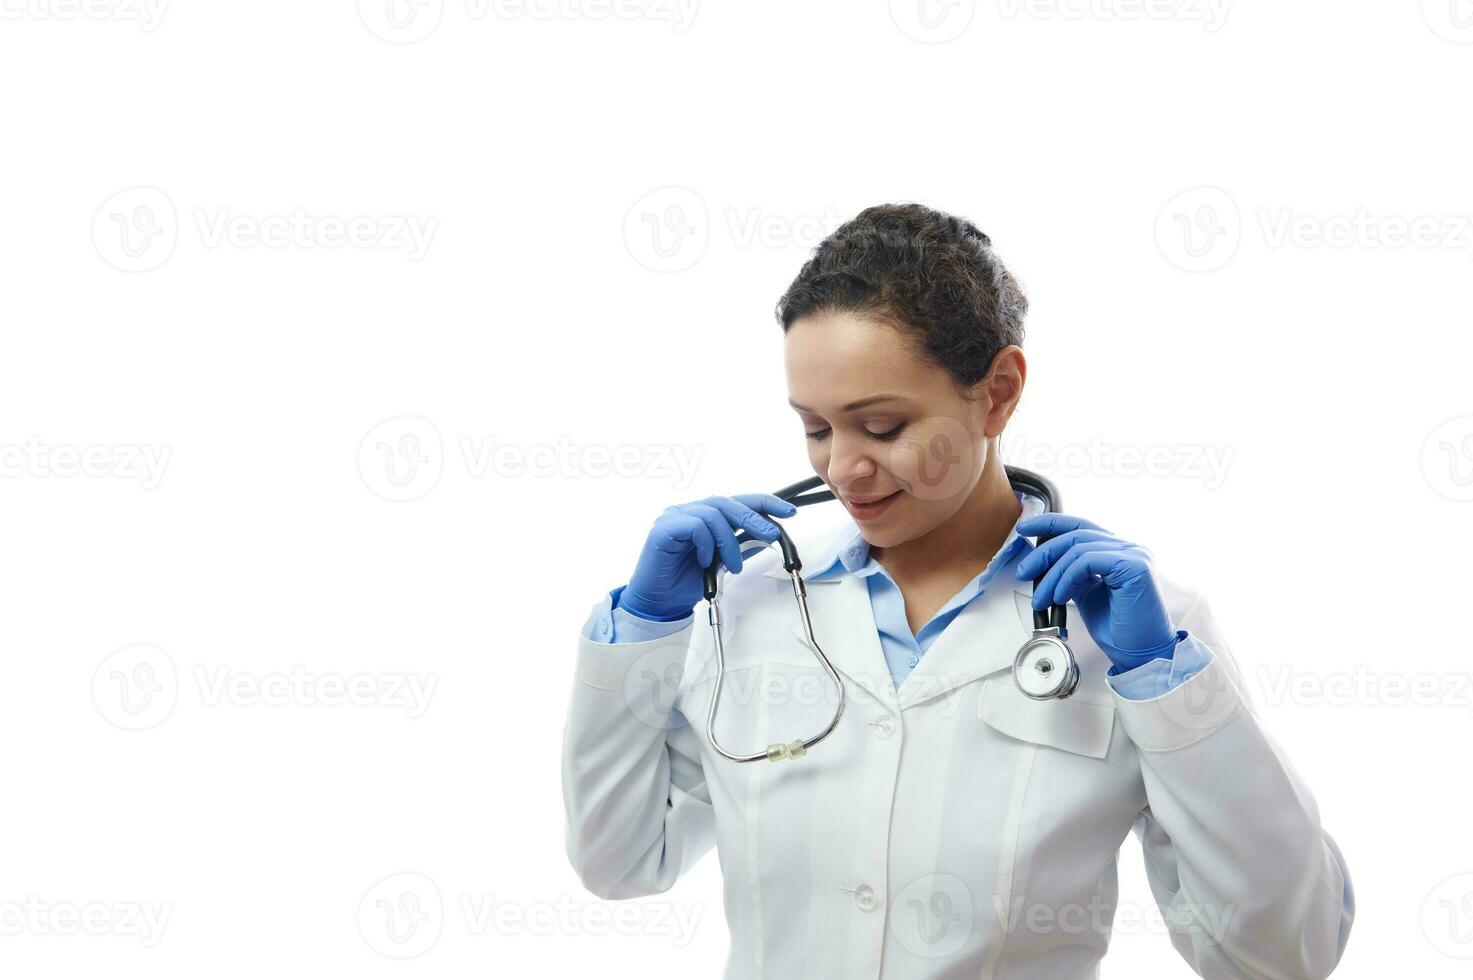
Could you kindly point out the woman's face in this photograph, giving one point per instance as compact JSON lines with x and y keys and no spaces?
{"x":887,"y":428}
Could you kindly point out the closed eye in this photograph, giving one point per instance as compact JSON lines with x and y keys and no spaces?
{"x":818,"y":435}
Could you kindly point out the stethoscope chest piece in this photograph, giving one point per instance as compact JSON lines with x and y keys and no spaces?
{"x":1044,"y":668}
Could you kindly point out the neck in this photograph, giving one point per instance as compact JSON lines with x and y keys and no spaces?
{"x":968,"y":539}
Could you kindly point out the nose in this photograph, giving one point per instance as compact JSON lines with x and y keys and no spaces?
{"x":849,"y":461}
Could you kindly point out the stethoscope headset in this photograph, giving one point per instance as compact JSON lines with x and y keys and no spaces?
{"x":1044,"y":669}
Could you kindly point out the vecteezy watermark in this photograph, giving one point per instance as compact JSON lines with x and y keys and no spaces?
{"x":1364,"y":686}
{"x":933,"y":21}
{"x":1447,"y":458}
{"x":119,"y":461}
{"x":34,"y":916}
{"x":1178,"y":461}
{"x":404,"y":915}
{"x":137,"y":230}
{"x":1201,"y":228}
{"x":1211,"y":14}
{"x":1285,"y":228}
{"x":1451,"y":20}
{"x":138,"y":687}
{"x":402,"y":459}
{"x":147,"y":14}
{"x":1099,"y":917}
{"x":401,"y":916}
{"x":669,"y":228}
{"x":932,"y":916}
{"x":1447,"y":917}
{"x":299,"y":687}
{"x":407,"y":21}
{"x":567,"y":916}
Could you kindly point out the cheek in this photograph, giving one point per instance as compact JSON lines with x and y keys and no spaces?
{"x":818,"y":456}
{"x":936,"y":459}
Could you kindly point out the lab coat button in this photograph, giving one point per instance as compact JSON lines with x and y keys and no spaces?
{"x":864,"y":897}
{"x":885,"y":726}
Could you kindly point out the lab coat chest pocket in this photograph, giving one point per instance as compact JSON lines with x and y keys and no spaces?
{"x":1081,"y":727}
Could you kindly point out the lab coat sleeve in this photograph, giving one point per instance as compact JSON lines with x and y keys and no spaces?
{"x":608,"y":623}
{"x":634,"y":791}
{"x":1250,"y":885}
{"x":1157,"y":677}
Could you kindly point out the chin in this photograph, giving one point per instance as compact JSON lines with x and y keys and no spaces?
{"x":888,"y":536}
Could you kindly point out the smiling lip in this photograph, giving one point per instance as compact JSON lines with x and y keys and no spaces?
{"x":871,"y":508}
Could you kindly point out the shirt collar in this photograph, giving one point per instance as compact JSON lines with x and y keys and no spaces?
{"x":848,"y":551}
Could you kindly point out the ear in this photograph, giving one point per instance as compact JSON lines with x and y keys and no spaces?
{"x":1002,"y":389}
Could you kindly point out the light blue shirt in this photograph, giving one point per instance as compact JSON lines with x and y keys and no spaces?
{"x":903,"y":649}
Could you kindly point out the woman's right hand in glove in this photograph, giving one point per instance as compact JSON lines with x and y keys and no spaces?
{"x":668,"y":579}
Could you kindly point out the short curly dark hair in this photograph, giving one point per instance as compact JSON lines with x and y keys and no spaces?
{"x":933,"y":275}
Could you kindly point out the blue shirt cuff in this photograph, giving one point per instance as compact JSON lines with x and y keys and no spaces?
{"x":1164,"y":673}
{"x":607,"y":623}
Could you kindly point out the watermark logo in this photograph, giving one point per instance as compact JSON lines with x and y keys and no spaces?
{"x":401,"y":916}
{"x":1447,"y":459}
{"x":1211,"y":14}
{"x":300,"y":687}
{"x":1101,"y":918}
{"x":935,"y":458}
{"x":668,"y":229}
{"x":1447,"y":917}
{"x":566,"y":916}
{"x":136,"y":687}
{"x":1451,"y":20}
{"x":401,"y":459}
{"x":1284,"y":227}
{"x":407,"y":21}
{"x":401,"y":21}
{"x":933,"y":21}
{"x":147,"y":14}
{"x":652,"y":683}
{"x":1364,"y":687}
{"x":136,"y":229}
{"x":1175,"y":461}
{"x":126,"y":461}
{"x":1199,"y":230}
{"x":35,"y":916}
{"x":932,"y":916}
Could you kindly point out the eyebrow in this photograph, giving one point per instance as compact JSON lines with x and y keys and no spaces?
{"x":872,"y":399}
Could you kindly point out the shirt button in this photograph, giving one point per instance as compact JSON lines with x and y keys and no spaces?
{"x":913,"y":660}
{"x":603,"y":627}
{"x":864,"y":897}
{"x":884,"y":726}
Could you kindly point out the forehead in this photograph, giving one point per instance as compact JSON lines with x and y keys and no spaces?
{"x":833,"y":358}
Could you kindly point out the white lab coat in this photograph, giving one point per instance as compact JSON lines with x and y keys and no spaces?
{"x":953,"y":828}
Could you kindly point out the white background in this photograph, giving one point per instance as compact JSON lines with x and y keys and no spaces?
{"x":1173,"y":183}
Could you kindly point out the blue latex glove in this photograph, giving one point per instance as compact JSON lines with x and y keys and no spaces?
{"x":668,"y":579}
{"x":1109,"y":581}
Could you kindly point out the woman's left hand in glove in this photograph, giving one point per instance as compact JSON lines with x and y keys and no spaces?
{"x":1109,"y":581}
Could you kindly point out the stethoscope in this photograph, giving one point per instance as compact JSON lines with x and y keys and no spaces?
{"x":1044,"y":669}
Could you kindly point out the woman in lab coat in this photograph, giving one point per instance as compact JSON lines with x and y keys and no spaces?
{"x":949,"y":826}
